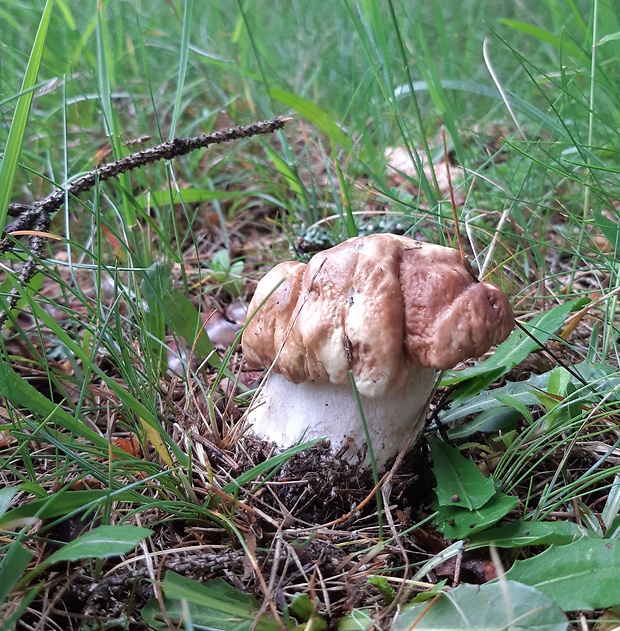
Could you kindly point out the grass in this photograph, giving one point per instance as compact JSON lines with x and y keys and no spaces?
{"x":114,"y":416}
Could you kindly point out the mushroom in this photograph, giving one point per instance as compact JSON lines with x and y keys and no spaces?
{"x":391,"y":310}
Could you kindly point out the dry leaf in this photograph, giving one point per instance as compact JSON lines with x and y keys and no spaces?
{"x":129,"y":445}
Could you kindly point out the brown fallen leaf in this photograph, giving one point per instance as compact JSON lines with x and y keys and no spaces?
{"x":129,"y":445}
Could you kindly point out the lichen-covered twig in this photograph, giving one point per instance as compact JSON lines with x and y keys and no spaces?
{"x":38,"y":216}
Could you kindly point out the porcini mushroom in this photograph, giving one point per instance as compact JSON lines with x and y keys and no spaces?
{"x":393,"y":311}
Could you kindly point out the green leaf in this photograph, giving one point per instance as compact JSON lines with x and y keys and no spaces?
{"x":215,"y":606}
{"x":382,"y":584}
{"x":489,"y":421}
{"x":430,"y":593}
{"x":459,"y":523}
{"x":609,"y":228}
{"x":518,"y":406}
{"x":559,"y":379}
{"x":459,"y":481}
{"x":521,"y":391}
{"x":21,"y":394}
{"x":519,"y":534}
{"x":288,"y":172}
{"x":510,"y":353}
{"x":12,"y":567}
{"x":6,"y":497}
{"x":597,"y":375}
{"x":183,"y":57}
{"x":357,"y":620}
{"x":60,"y":504}
{"x":319,"y":117}
{"x":179,"y":312}
{"x":305,"y":609}
{"x":106,"y":79}
{"x":580,"y":575}
{"x":490,"y":607}
{"x":101,"y":543}
{"x":15,"y":140}
{"x":610,"y":511}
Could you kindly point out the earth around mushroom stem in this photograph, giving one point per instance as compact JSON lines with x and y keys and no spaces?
{"x":287,"y":413}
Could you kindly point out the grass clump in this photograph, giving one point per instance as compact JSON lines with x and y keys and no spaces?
{"x":121,"y":379}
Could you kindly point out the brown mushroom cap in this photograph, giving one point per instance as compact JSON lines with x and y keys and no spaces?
{"x":373,"y":305}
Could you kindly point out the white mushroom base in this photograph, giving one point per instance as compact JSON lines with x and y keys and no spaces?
{"x":288,"y":413}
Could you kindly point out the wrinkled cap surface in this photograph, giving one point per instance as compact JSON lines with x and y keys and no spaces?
{"x":373,"y":305}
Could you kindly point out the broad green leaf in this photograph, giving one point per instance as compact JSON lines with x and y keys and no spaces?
{"x":59,"y":504}
{"x":557,"y":399}
{"x":357,"y":620}
{"x":6,"y":497}
{"x":101,"y":543}
{"x":179,"y":312}
{"x":489,"y":421}
{"x":609,"y":228}
{"x":516,"y":405}
{"x":521,"y":391}
{"x":15,"y":140}
{"x":596,"y":375}
{"x":319,"y":117}
{"x":459,"y":481}
{"x":510,"y":353}
{"x":489,"y":607}
{"x":580,"y":575}
{"x":519,"y":534}
{"x":459,"y":523}
{"x":559,"y":380}
{"x":215,"y":606}
{"x":12,"y":566}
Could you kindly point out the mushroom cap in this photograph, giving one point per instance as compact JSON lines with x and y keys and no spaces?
{"x":373,"y":305}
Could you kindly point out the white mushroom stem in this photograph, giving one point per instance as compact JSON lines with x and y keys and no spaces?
{"x":287,"y":413}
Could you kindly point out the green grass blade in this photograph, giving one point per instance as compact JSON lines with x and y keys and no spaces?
{"x":316,"y":115}
{"x":544,"y":36}
{"x":184,"y":52}
{"x":15,"y":140}
{"x":106,"y":81}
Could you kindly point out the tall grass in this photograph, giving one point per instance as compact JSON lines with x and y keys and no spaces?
{"x":533,"y":122}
